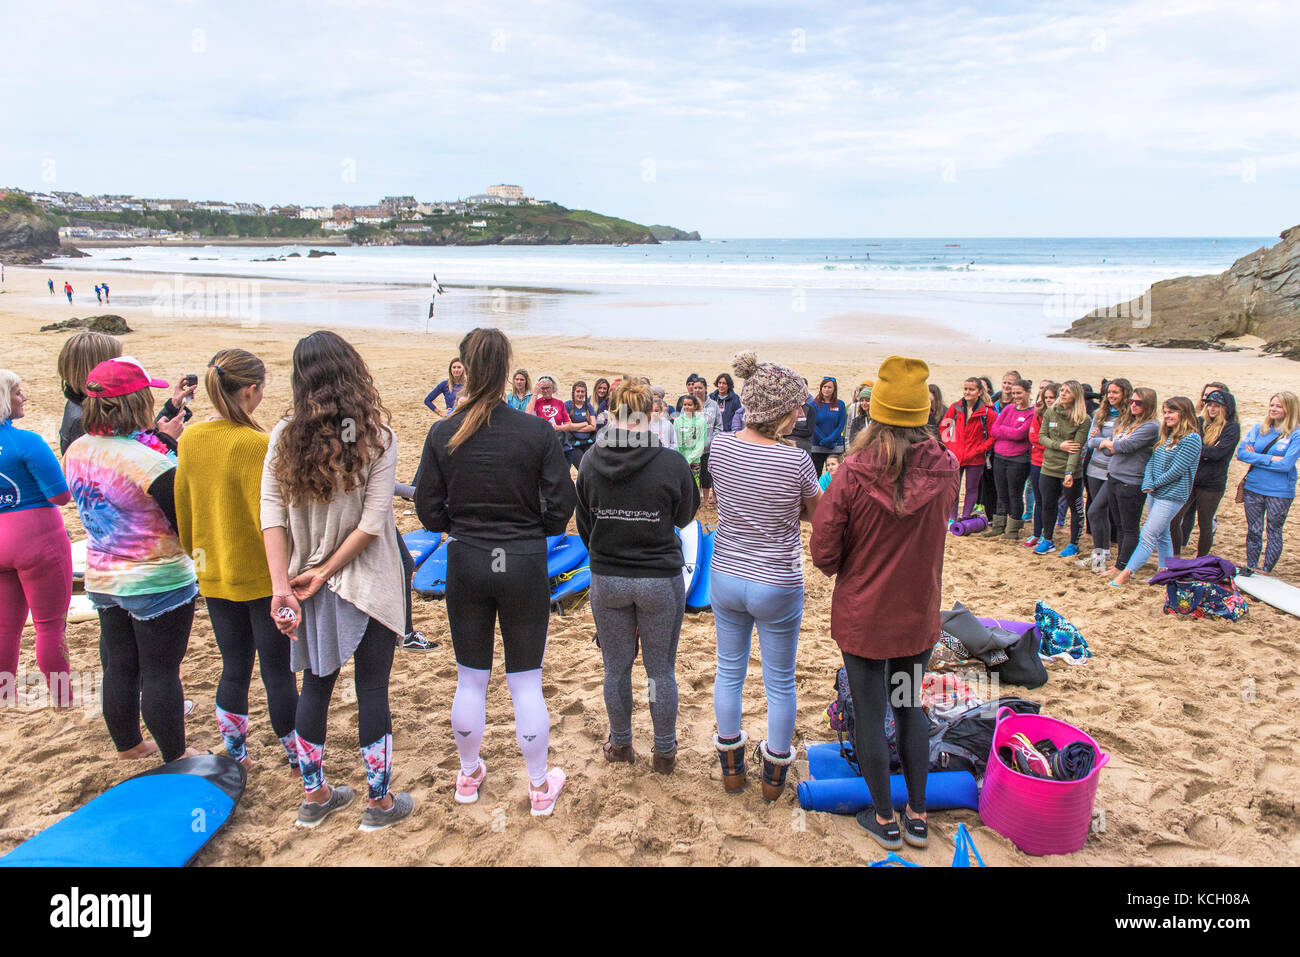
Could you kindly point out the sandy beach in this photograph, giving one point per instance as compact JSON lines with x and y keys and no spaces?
{"x":1199,"y":717}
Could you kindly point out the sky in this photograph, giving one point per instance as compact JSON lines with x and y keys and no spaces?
{"x":1003,"y":118}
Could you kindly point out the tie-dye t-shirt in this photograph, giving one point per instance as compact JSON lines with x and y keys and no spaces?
{"x":131,"y":547}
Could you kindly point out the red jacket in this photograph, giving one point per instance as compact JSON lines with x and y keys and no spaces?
{"x":1035,"y":448}
{"x":888,"y":567}
{"x":972,"y":439}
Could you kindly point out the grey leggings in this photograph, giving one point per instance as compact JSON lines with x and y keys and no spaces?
{"x":653,"y":607}
{"x":1261,"y":510}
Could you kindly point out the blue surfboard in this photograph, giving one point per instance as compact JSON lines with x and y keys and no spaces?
{"x":160,"y":818}
{"x":431,"y":577}
{"x":578,"y":581}
{"x":553,"y":541}
{"x":566,"y":556}
{"x":698,"y":598}
{"x":422,"y":543}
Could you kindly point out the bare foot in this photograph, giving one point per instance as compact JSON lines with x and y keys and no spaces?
{"x":248,"y":762}
{"x":141,"y":750}
{"x":1122,"y":578}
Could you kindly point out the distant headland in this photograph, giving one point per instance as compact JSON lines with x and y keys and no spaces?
{"x":38,"y":225}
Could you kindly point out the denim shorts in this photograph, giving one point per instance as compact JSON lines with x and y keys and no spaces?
{"x":144,"y":607}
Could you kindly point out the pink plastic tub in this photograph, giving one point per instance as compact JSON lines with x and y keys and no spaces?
{"x":1038,"y":815}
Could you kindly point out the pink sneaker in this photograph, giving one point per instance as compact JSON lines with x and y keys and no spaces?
{"x":544,"y":801}
{"x":467,"y":785}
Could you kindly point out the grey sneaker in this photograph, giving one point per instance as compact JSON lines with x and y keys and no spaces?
{"x":310,"y":814}
{"x":376,"y":819}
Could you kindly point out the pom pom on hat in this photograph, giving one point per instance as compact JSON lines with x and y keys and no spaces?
{"x":744,"y":364}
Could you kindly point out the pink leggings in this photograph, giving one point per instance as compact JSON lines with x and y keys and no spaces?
{"x":36,"y":574}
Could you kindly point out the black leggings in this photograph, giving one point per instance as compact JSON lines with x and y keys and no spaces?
{"x":706,"y":477}
{"x":408,"y":573}
{"x":1054,"y":490}
{"x":372,"y":663}
{"x":1129,"y":502}
{"x":1103,"y":516}
{"x":244,"y":629}
{"x":142,"y":677}
{"x":1200,"y":509}
{"x":574,"y":453}
{"x":1009,"y":477}
{"x":484,"y":586}
{"x":872,"y":683}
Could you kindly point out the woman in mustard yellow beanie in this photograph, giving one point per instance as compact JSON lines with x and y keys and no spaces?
{"x":880,"y":531}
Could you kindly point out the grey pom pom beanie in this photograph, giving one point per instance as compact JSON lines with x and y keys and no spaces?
{"x":771,"y":391}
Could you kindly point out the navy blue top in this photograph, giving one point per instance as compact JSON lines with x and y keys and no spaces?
{"x":450,"y":393}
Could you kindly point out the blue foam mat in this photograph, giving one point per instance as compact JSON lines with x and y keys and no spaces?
{"x":837,"y":788}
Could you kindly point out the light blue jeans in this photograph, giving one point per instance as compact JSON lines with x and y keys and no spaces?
{"x":1155,"y":536}
{"x":739,"y":605}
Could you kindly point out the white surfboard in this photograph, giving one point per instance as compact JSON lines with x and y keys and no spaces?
{"x":1272,"y":591}
{"x":80,"y":610}
{"x":79,"y":559}
{"x":692,"y":546}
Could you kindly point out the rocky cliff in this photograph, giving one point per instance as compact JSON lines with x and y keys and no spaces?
{"x":27,"y":235}
{"x":671,"y":234}
{"x":1259,"y":295}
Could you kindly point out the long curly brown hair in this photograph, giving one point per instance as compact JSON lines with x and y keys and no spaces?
{"x":337,"y":424}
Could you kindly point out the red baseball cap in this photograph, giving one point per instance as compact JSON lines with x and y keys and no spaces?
{"x":120,"y":376}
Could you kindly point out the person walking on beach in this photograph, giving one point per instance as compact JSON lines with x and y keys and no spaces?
{"x":828,"y":429}
{"x":218,"y":501}
{"x":632,"y":493}
{"x":498,"y":520}
{"x":336,"y":576}
{"x":520,"y":396}
{"x":969,"y":423}
{"x":765,"y":485}
{"x":880,"y":532}
{"x":1167,"y":481}
{"x":35,"y":556}
{"x":67,"y":289}
{"x":1220,"y":433}
{"x":99,"y":294}
{"x":1062,"y":434}
{"x":104,"y":287}
{"x":1130,"y":447}
{"x":122,"y":475}
{"x":51,"y":285}
{"x":449,"y":389}
{"x":1272,"y":450}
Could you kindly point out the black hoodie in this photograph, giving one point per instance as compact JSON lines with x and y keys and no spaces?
{"x":632,"y":492}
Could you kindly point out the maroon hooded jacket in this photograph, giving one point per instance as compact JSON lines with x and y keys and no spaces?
{"x":888,"y":567}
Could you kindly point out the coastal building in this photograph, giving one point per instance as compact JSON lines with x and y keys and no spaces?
{"x":314,"y":212}
{"x":504,"y":191}
{"x":397,"y":204}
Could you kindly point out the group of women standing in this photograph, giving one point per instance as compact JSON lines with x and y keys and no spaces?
{"x":1131,"y":454}
{"x":290,"y":539}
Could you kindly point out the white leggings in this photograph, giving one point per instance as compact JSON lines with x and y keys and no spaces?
{"x":532,"y":720}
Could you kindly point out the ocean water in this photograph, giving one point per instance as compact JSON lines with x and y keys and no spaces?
{"x":1001,"y":290}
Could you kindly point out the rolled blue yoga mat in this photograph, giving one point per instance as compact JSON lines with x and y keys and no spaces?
{"x":969,"y":526}
{"x":837,"y":788}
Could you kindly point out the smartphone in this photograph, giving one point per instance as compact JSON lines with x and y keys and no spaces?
{"x":191,"y":379}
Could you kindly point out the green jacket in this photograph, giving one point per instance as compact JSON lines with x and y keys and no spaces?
{"x":692,"y":435}
{"x":1055,"y":430}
